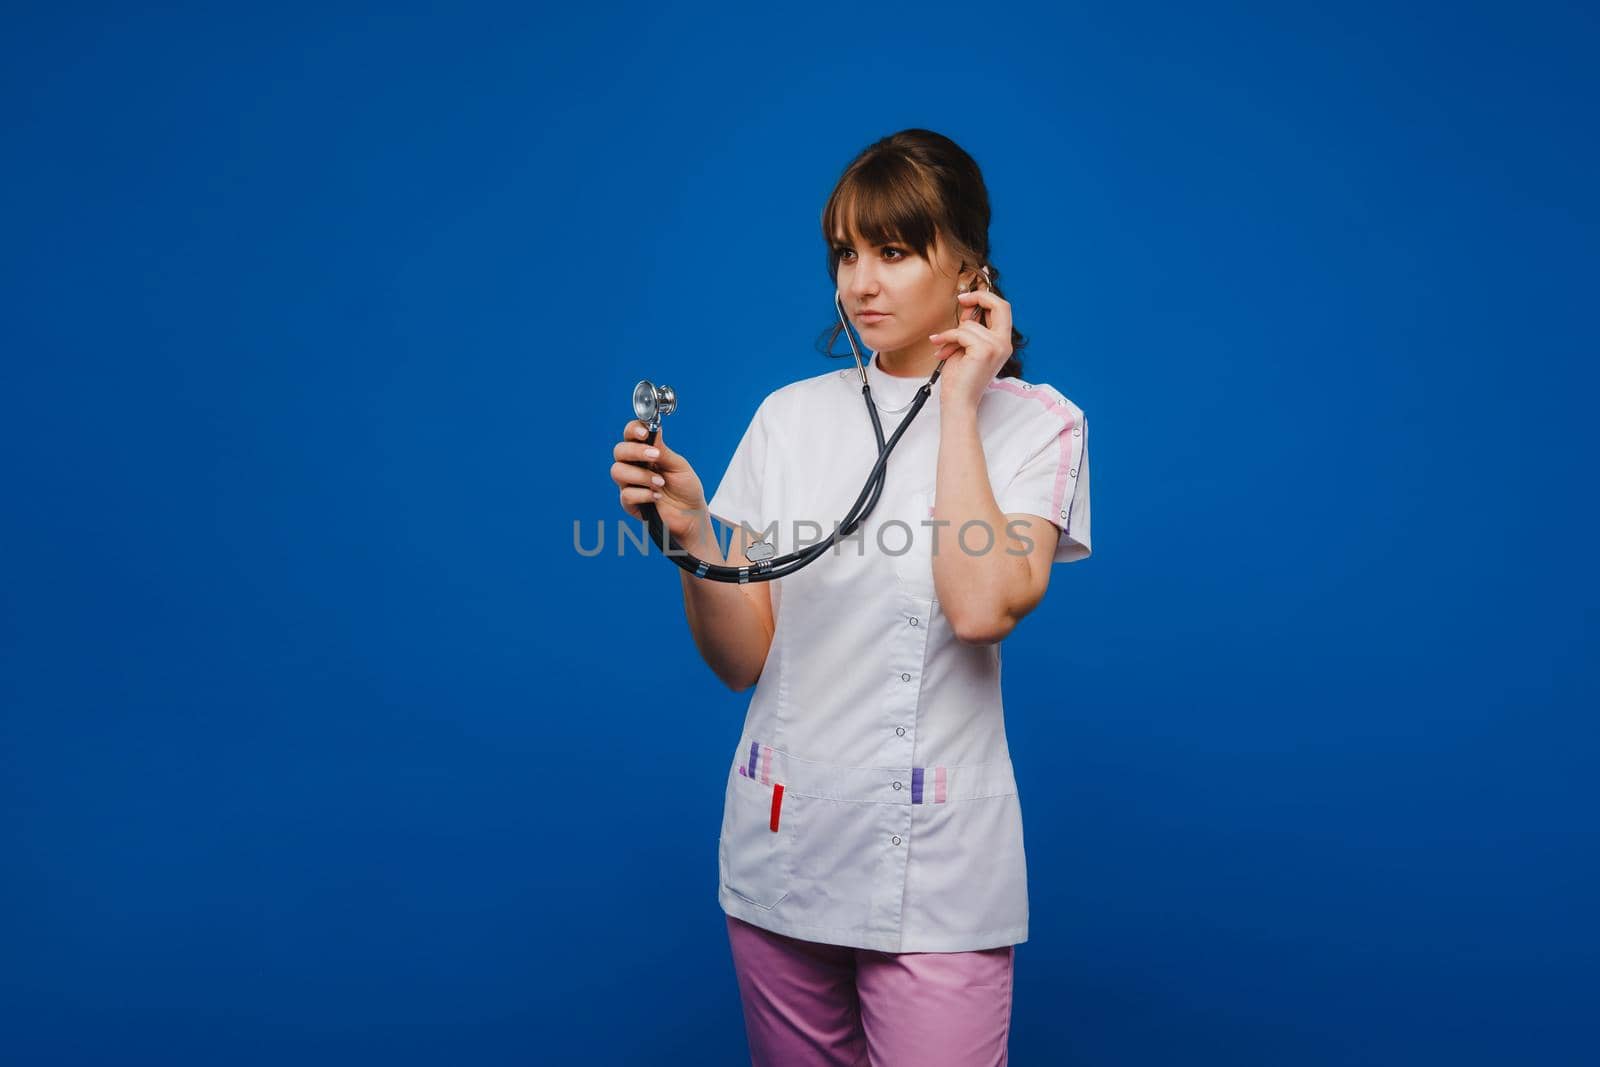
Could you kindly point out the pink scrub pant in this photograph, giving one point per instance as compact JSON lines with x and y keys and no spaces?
{"x":808,"y":1004}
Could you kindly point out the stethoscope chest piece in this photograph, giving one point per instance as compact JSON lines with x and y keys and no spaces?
{"x":651,"y":402}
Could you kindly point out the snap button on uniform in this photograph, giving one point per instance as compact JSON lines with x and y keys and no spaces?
{"x":897,"y":785}
{"x":913,"y":620}
{"x":895,"y":839}
{"x":900,"y":731}
{"x":905,"y":677}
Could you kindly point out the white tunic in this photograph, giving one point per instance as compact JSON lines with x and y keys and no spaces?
{"x":870,"y":800}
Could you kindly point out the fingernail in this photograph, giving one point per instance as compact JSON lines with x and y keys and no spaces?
{"x":655,"y":496}
{"x":658,"y":479}
{"x":652,"y":453}
{"x":638,"y":431}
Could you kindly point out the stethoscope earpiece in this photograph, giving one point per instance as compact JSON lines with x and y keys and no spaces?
{"x":988,"y":281}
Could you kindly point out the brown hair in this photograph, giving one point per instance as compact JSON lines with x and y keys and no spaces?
{"x":905,"y":189}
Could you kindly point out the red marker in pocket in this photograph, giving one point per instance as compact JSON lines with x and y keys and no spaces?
{"x":777,"y":802}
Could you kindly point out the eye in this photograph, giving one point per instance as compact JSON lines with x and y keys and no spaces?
{"x":890,"y":253}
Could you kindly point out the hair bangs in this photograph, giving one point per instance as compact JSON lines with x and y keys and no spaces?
{"x":885,"y":201}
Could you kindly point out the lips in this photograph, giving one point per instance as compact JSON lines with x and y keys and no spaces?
{"x":872,"y":316}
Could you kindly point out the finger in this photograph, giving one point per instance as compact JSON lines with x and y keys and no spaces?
{"x":968,"y":335}
{"x":666,"y":459}
{"x":628,"y":474}
{"x":637,"y":431}
{"x":984,"y":342}
{"x":636,"y":452}
{"x":971,"y":312}
{"x":998,"y":307}
{"x":631,"y":498}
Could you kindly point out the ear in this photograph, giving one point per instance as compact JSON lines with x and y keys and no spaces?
{"x":973,"y":279}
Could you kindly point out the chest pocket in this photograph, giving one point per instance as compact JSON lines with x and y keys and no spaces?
{"x":913,"y":568}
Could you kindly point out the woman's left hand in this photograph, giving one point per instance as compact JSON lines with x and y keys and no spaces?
{"x":980,"y":351}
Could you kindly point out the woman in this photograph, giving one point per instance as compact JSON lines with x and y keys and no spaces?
{"x":872,"y":865}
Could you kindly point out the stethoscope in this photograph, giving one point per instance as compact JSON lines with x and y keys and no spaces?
{"x":653,"y":402}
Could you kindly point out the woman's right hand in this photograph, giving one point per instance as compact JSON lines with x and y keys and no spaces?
{"x":672,"y":486}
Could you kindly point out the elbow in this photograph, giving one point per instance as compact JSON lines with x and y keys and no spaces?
{"x":982,"y":630}
{"x":744,"y":669}
{"x":739,"y":684}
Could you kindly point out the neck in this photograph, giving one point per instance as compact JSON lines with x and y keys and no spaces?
{"x":915,"y":361}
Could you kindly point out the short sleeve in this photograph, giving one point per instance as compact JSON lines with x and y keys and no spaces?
{"x":1054,"y":482}
{"x":738,"y":495}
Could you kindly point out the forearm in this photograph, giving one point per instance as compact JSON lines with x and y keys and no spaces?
{"x":976,"y":579}
{"x":730,"y":628}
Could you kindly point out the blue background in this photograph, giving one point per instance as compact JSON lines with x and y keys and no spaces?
{"x":322,"y":744}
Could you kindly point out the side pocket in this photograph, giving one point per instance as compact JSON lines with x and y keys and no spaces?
{"x":756,"y":860}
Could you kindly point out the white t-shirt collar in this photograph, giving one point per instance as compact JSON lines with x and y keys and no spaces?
{"x":892,"y":393}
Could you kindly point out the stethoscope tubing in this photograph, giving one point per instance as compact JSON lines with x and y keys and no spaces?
{"x":767,"y":570}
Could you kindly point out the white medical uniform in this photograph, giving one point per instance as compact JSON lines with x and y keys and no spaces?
{"x":899,"y":826}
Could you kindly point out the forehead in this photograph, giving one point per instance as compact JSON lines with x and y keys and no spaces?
{"x":852,"y":237}
{"x":847,"y":230}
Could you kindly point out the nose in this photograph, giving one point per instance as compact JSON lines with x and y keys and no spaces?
{"x":863,"y":280}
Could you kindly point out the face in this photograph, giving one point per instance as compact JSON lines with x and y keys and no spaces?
{"x":917,"y":296}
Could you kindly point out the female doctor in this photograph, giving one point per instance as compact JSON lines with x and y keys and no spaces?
{"x":871,"y":859}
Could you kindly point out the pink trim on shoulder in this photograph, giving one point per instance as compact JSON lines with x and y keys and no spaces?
{"x":1068,"y":420}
